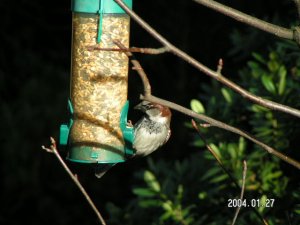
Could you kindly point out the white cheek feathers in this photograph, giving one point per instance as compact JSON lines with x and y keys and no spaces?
{"x":150,"y":133}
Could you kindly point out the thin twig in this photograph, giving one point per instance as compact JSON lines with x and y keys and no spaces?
{"x":220,"y":66}
{"x":53,"y":149}
{"x":224,"y":168}
{"x":181,"y":54}
{"x":150,"y":51}
{"x":213,"y":153}
{"x":247,"y":19}
{"x":138,"y":68}
{"x":242,"y":192}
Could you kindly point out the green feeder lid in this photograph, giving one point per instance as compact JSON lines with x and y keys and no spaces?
{"x":99,"y":7}
{"x":94,"y":6}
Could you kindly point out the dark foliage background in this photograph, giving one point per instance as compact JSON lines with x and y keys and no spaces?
{"x":34,"y":84}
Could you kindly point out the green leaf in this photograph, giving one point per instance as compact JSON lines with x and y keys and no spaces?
{"x":262,"y":202}
{"x":282,"y":80}
{"x":253,"y":65}
{"x":151,"y":181}
{"x":143,"y":192}
{"x":273,"y":55}
{"x":198,"y":143}
{"x":215,"y":149}
{"x":268,"y":83}
{"x":258,"y":108}
{"x":202,"y":195}
{"x":197,"y":106}
{"x":190,"y":220}
{"x":165,"y":216}
{"x":167,"y":206}
{"x":269,"y":115}
{"x":242,"y":144}
{"x":226,"y":94}
{"x":297,"y":211}
{"x":265,"y":132}
{"x":256,"y":75}
{"x":259,"y":58}
{"x":273,"y":175}
{"x":211,"y":172}
{"x":219,"y":178}
{"x":232,"y":150}
{"x":148,"y":203}
{"x":179,"y":192}
{"x":273,"y":66}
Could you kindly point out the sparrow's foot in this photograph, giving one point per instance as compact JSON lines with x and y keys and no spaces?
{"x":129,"y":123}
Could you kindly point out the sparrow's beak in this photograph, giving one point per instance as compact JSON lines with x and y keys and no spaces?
{"x":140,"y":107}
{"x":143,"y":106}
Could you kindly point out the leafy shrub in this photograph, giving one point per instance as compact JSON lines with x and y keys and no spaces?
{"x":196,"y":190}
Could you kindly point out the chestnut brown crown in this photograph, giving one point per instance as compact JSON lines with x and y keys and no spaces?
{"x":156,"y":112}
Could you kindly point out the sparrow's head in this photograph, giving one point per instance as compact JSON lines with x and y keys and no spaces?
{"x":155,"y":112}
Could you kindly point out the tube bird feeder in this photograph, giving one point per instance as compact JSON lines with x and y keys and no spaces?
{"x":97,"y":131}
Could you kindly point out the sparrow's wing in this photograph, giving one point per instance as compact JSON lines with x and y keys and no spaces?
{"x":102,"y":168}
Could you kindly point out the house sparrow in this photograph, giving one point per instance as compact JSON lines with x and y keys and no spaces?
{"x":150,"y":132}
{"x":153,"y":129}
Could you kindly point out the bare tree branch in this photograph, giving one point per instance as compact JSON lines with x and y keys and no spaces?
{"x":247,"y":19}
{"x":214,"y":74}
{"x":149,"y":97}
{"x":242,"y":192}
{"x":223,"y":126}
{"x":214,"y":154}
{"x":53,"y":149}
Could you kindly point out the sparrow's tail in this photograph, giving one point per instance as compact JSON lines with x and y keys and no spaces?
{"x":102,"y":168}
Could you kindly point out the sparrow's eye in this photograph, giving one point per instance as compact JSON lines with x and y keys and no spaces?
{"x":148,"y":106}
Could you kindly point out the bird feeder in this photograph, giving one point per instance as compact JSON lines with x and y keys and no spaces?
{"x":98,"y":106}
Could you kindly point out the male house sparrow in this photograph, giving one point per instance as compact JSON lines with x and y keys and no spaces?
{"x":153,"y":129}
{"x":150,"y":132}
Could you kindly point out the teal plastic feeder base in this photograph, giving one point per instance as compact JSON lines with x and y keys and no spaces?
{"x":86,"y":154}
